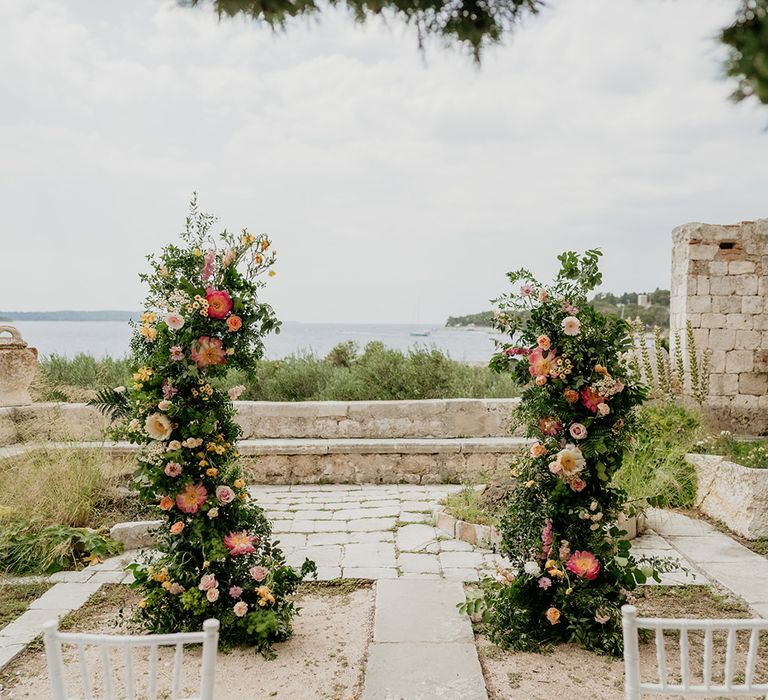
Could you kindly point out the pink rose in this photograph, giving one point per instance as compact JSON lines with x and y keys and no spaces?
{"x":207,"y":582}
{"x":258,"y":573}
{"x":603,"y":409}
{"x":225,"y":494}
{"x":219,"y":303}
{"x":235,"y":592}
{"x":172,"y":469}
{"x":212,"y":595}
{"x":240,"y":608}
{"x":577,"y":431}
{"x":577,"y":485}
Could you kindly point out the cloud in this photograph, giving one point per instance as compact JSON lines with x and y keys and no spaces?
{"x":383,"y":175}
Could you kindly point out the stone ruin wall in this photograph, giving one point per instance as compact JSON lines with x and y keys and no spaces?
{"x":720,"y":285}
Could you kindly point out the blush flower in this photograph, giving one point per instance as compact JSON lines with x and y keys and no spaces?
{"x":219,"y":303}
{"x":603,"y":409}
{"x":538,"y":450}
{"x":544,"y":342}
{"x":172,"y":469}
{"x":225,"y":494}
{"x":191,"y":498}
{"x":584,"y":565}
{"x":174,"y":321}
{"x":158,"y":426}
{"x":166,"y":503}
{"x":526,"y":290}
{"x":235,"y":592}
{"x":235,"y":392}
{"x":212,"y":595}
{"x":176,"y":353}
{"x":210,"y":258}
{"x":208,"y":351}
{"x":258,"y":573}
{"x":577,"y":431}
{"x":577,"y":485}
{"x":207,"y":582}
{"x":240,"y":608}
{"x":570,"y":460}
{"x":541,"y":362}
{"x":545,"y":582}
{"x":240,"y":543}
{"x":571,"y":325}
{"x":177,"y":527}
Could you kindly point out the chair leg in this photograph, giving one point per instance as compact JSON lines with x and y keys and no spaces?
{"x":54,"y":660}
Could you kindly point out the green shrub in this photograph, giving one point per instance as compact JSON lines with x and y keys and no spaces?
{"x":378,"y":373}
{"x":654,"y":467}
{"x":749,"y":453}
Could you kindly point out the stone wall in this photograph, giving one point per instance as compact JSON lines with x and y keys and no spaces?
{"x":444,"y":418}
{"x":720,"y":285}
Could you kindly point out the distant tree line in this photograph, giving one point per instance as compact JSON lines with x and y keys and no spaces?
{"x":623,"y":305}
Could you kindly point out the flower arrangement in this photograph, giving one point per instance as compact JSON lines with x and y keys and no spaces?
{"x":201,"y":318}
{"x":572,"y":569}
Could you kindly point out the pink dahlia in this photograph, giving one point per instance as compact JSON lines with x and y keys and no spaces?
{"x":240,"y":543}
{"x":235,"y":592}
{"x":177,"y":353}
{"x":191,"y":498}
{"x":219,"y":303}
{"x":584,"y":565}
{"x":208,"y":351}
{"x":172,"y":469}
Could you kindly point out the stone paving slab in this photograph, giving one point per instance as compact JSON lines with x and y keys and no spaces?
{"x":420,"y":611}
{"x":423,"y":671}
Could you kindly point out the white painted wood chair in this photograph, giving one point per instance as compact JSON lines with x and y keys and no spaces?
{"x":54,"y":640}
{"x":735,"y":681}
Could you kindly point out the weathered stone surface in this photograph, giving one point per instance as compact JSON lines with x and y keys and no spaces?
{"x":720,"y":287}
{"x":733,"y":494}
{"x":18,"y":364}
{"x":135,"y":535}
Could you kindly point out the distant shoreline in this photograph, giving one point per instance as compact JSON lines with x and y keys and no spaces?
{"x":109,"y":315}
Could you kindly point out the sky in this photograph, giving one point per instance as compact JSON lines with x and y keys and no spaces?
{"x":398,"y":186}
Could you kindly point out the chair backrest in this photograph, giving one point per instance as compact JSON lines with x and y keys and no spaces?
{"x":737,"y":679}
{"x":54,"y":640}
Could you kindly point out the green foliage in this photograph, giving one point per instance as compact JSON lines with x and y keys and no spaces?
{"x":86,"y":371}
{"x":654,"y":468}
{"x":27,"y":548}
{"x":747,"y":39}
{"x":468,"y":505}
{"x":572,"y":569}
{"x":344,"y":374}
{"x":483,"y":319}
{"x":469,"y":23}
{"x":748,"y":453}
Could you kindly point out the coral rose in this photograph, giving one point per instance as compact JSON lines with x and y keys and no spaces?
{"x":553,"y":615}
{"x":234,"y":323}
{"x":577,"y":485}
{"x":584,"y":565}
{"x":240,"y":543}
{"x":191,"y":498}
{"x":544,"y":342}
{"x":571,"y":395}
{"x":538,"y":450}
{"x":541,"y":362}
{"x":208,"y":351}
{"x":219,"y":303}
{"x":177,"y":528}
{"x":158,"y":426}
{"x":166,"y":503}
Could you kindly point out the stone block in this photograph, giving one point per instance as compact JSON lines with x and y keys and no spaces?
{"x":720,"y":339}
{"x":752,"y":305}
{"x":466,"y":531}
{"x":700,"y":305}
{"x":740,"y":321}
{"x":135,"y":535}
{"x":746,"y":285}
{"x":717,"y":360}
{"x":726,"y":305}
{"x":724,"y":384}
{"x":760,"y":361}
{"x":702,"y":285}
{"x":722,"y":286}
{"x":710,"y":320}
{"x":753,"y":383}
{"x":737,"y":361}
{"x":748,"y":340}
{"x":741,"y":267}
